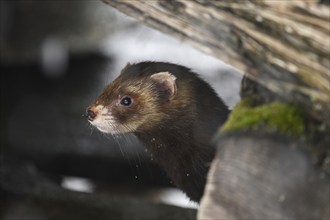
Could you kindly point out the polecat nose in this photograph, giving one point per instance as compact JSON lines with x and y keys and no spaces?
{"x":90,"y":115}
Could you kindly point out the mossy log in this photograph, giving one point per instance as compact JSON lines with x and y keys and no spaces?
{"x":283,"y":45}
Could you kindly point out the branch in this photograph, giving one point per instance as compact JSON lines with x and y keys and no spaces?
{"x":283,"y":45}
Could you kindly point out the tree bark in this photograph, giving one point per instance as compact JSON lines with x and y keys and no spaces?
{"x":283,"y":45}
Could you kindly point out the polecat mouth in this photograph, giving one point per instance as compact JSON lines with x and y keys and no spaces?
{"x":103,"y":123}
{"x":107,"y":124}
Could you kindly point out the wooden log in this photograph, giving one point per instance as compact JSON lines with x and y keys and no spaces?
{"x":283,"y":45}
{"x":264,"y":177}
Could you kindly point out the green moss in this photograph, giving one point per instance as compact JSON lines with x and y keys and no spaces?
{"x":274,"y":116}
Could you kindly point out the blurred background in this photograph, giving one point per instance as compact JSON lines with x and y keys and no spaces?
{"x":55,"y":58}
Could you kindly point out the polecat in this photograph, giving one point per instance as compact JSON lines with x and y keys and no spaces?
{"x":172,"y":111}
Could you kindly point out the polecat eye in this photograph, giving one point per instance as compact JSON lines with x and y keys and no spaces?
{"x":126,"y":101}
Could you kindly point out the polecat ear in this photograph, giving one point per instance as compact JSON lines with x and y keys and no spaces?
{"x":126,"y":67}
{"x":166,"y":83}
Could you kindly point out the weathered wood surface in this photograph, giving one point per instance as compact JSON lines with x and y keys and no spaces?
{"x":283,"y":45}
{"x":264,"y":177}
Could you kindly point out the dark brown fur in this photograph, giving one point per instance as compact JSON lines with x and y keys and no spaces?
{"x":176,"y":130}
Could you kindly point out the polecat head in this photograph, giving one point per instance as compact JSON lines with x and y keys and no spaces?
{"x":132,"y":101}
